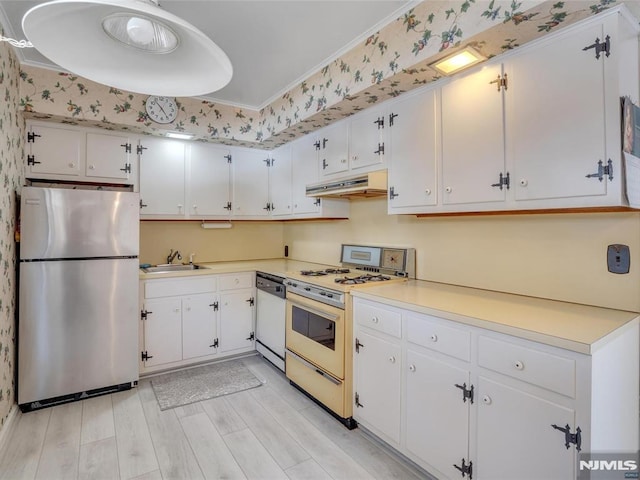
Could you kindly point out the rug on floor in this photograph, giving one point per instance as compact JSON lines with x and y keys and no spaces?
{"x":202,"y":383}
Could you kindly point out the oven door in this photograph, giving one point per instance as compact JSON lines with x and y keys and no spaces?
{"x":315,"y":332}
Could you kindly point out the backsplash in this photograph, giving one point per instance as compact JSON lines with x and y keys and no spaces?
{"x":392,"y":61}
{"x":11,"y":155}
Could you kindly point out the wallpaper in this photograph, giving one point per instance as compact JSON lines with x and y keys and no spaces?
{"x":11,"y":155}
{"x":390,"y":62}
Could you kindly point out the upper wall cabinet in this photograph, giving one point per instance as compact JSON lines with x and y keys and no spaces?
{"x":413,"y":151}
{"x":162,"y":178}
{"x":280,"y":182}
{"x":57,"y":152}
{"x":208,"y":180}
{"x":367,"y":139}
{"x":250,"y":184}
{"x":538,"y":128}
{"x":332,"y":145}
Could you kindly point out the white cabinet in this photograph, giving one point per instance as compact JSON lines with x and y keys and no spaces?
{"x":473,"y":139}
{"x":304,"y":171}
{"x":208,"y":181}
{"x":67,"y":153}
{"x":413,"y":151}
{"x":199,"y":325}
{"x":162,"y":327}
{"x":195,"y":318}
{"x":250,"y":183}
{"x":377,"y":384}
{"x":162,"y":178}
{"x":333,"y":149}
{"x":280,"y":182}
{"x":514,"y":428}
{"x":367,"y":139}
{"x":449,"y":396}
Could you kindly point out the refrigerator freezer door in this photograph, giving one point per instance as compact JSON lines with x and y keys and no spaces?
{"x":78,"y":327}
{"x":65,"y":223}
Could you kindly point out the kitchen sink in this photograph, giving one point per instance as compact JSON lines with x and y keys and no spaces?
{"x":170,"y":268}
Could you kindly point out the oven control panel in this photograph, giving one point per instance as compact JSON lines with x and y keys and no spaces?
{"x":394,"y":261}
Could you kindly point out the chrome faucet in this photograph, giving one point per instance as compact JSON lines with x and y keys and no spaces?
{"x":173,"y":255}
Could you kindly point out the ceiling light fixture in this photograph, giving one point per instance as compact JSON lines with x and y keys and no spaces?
{"x":131,"y":45}
{"x":458,"y":61}
{"x":179,"y":136}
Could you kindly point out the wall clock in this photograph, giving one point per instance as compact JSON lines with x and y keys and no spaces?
{"x":161,"y":109}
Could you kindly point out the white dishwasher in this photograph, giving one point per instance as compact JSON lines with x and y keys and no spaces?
{"x":270,"y":317}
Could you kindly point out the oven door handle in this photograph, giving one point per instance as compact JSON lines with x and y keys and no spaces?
{"x":311,"y":366}
{"x":320,"y":313}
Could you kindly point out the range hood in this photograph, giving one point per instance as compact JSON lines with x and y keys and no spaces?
{"x":372,"y":184}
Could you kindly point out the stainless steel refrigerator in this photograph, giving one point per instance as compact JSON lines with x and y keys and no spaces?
{"x":78,"y":301}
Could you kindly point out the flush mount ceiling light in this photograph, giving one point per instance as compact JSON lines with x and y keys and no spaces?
{"x":132,"y":45}
{"x":457,"y":61}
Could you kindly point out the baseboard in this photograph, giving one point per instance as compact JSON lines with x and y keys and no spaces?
{"x":9,"y":424}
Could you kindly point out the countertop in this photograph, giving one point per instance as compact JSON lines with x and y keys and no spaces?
{"x":276,"y":266}
{"x":575,"y":327}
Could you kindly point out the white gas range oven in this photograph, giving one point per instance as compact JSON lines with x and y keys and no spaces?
{"x":319,"y":329}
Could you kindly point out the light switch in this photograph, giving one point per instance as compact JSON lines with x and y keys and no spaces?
{"x":618,"y":258}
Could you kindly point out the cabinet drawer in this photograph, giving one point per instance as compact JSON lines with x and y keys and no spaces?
{"x":544,"y":369}
{"x":430,"y":332}
{"x":378,"y":318}
{"x":170,"y":287}
{"x":236,"y":280}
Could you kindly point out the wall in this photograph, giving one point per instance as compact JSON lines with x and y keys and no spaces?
{"x":11,"y":155}
{"x":244,"y":241}
{"x":556,"y":256}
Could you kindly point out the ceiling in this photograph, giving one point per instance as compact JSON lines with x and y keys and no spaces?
{"x":273,"y":45}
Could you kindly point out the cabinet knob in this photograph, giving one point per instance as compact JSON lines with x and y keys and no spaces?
{"x":412,"y":368}
{"x":343,"y":160}
{"x":72,"y":165}
{"x":428,"y":191}
{"x":523,"y":182}
{"x":486,"y":399}
{"x":92,"y":167}
{"x":448,"y":189}
{"x":176,"y":310}
{"x":188,"y":309}
{"x":375,"y":320}
{"x":519,"y":365}
{"x":355,"y":158}
{"x":392,"y":359}
{"x":195,"y":208}
{"x":433,"y":337}
{"x":179,"y":208}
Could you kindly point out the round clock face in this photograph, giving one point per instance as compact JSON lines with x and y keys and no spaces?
{"x":162,"y":109}
{"x":393,"y":259}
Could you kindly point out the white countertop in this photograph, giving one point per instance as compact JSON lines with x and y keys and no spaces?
{"x":579,"y":328}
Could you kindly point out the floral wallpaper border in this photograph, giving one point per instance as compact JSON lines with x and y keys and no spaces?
{"x":390,"y":62}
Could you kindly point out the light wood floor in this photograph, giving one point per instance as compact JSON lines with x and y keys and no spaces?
{"x":270,"y":432}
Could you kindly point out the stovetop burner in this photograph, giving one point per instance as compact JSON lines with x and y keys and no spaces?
{"x":320,"y":273}
{"x":362,"y":279}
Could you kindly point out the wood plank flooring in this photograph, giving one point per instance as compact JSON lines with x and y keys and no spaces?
{"x":270,"y":432}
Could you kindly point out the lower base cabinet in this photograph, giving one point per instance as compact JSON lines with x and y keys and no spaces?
{"x":194,"y":319}
{"x":464,"y":402}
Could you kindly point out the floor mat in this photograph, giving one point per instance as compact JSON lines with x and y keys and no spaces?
{"x":201,"y":383}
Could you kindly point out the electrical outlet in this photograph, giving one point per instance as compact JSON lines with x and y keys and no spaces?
{"x":618,"y":258}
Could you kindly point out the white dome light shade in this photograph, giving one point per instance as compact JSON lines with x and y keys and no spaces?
{"x":131,"y":45}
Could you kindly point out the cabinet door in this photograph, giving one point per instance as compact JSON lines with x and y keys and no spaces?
{"x":437,"y":416}
{"x":199,"y":325}
{"x":304,"y":171}
{"x":163,"y":331}
{"x":333,"y":153}
{"x":367,"y":139}
{"x":473,"y":138}
{"x":209,"y":181}
{"x":514,"y":425}
{"x":377,"y":384}
{"x":556,"y":118}
{"x":413,"y":152}
{"x":55,"y":151}
{"x":250,"y":183}
{"x":109,"y":156}
{"x":236,"y":320}
{"x":280,"y":182}
{"x":162,"y":177}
